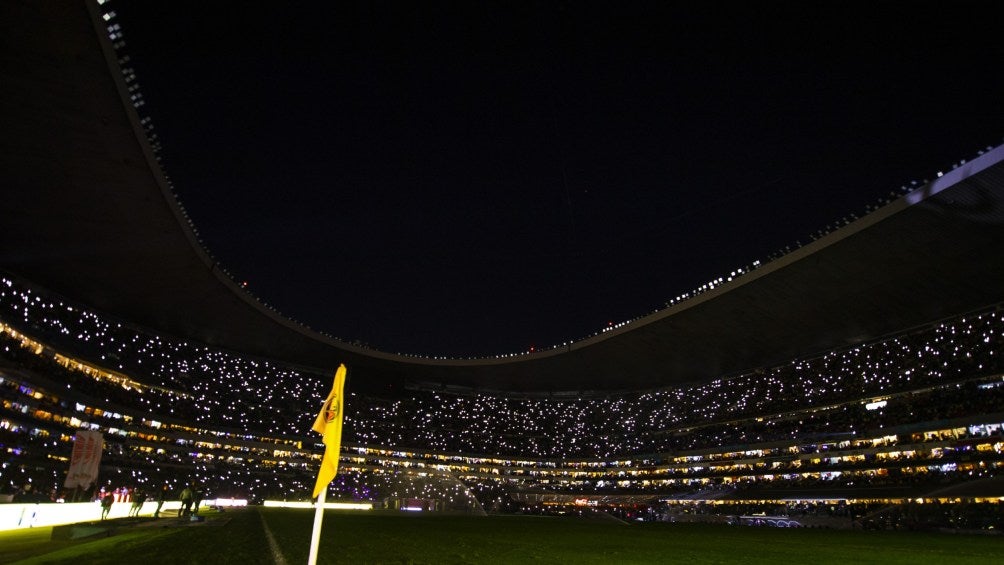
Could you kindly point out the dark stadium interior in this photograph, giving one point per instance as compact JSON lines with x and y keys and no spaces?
{"x":855,"y":381}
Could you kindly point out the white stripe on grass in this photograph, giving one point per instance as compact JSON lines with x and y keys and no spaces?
{"x":276,"y":554}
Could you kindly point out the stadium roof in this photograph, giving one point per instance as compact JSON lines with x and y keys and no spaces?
{"x":88,"y":214}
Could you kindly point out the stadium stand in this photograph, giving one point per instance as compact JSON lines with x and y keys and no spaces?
{"x":874,"y":400}
{"x":911,"y":416}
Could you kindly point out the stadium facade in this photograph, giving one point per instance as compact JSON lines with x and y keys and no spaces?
{"x":863,"y":366}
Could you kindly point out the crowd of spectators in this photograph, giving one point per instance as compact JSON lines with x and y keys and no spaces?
{"x":214,"y":388}
{"x":946,"y":371}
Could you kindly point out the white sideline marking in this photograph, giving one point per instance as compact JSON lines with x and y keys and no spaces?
{"x":276,"y":554}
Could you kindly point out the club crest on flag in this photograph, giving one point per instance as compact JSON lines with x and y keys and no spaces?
{"x":332,"y":410}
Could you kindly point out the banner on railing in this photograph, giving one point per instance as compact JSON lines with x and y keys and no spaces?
{"x":85,"y":459}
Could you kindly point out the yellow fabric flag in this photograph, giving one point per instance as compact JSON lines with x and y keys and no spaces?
{"x":329,"y":425}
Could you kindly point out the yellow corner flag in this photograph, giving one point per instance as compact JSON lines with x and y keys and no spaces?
{"x":329,"y":425}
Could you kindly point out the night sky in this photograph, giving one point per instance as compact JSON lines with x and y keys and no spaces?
{"x":474,"y":178}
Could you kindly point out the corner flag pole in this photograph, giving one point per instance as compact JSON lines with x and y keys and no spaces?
{"x":315,"y":536}
{"x":329,"y":425}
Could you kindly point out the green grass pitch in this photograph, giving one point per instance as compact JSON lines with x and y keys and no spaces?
{"x":264,"y":535}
